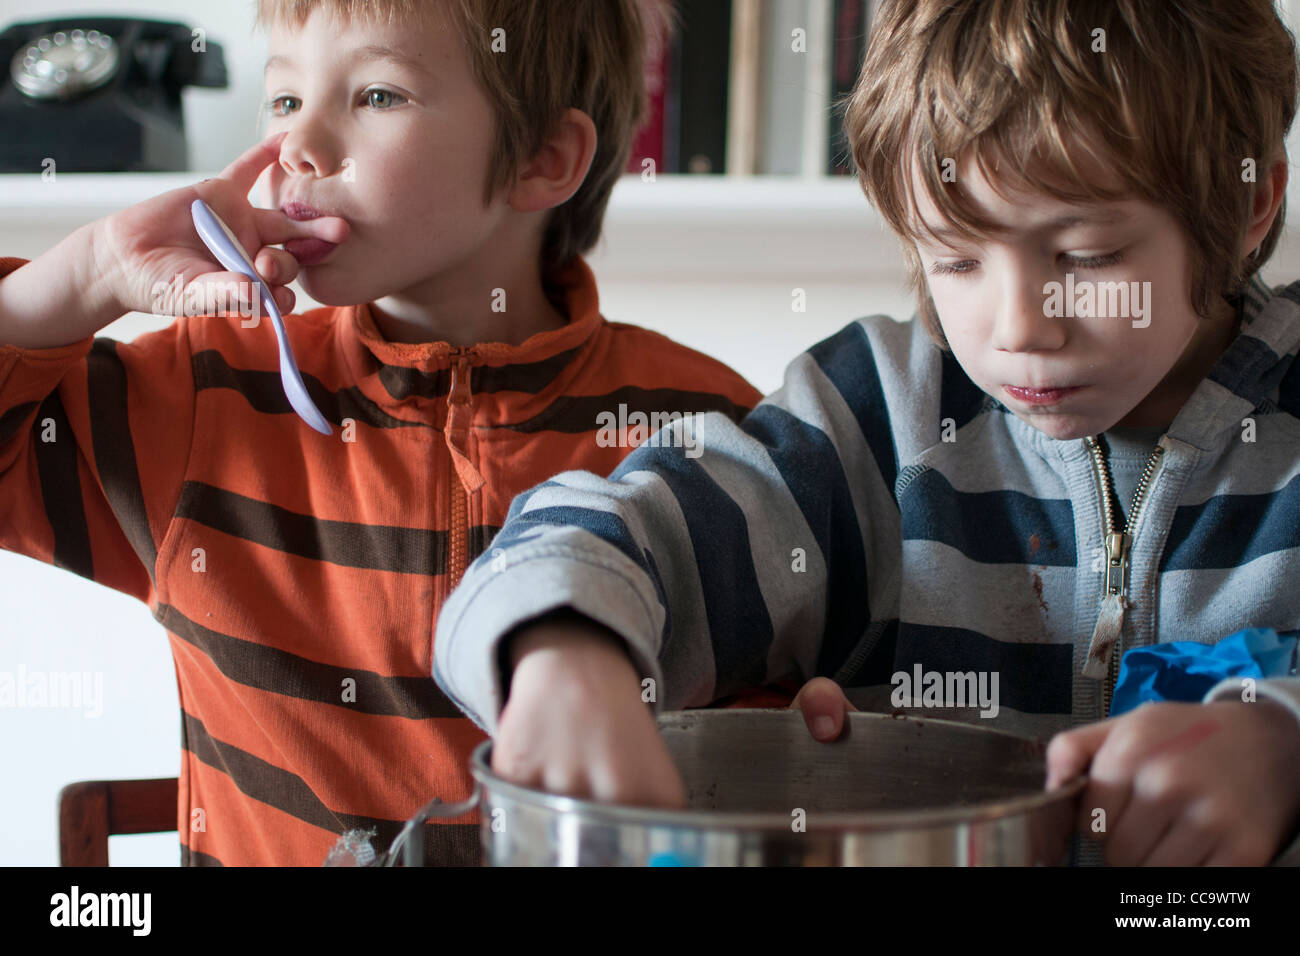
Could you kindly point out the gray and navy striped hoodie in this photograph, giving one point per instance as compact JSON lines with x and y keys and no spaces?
{"x":880,"y":515}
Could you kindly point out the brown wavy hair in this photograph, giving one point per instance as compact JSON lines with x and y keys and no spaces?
{"x":586,"y":54}
{"x":1183,"y":93}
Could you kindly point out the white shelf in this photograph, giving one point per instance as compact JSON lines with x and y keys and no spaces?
{"x":74,"y":196}
{"x":690,"y":227}
{"x":73,"y":199}
{"x":678,"y":227}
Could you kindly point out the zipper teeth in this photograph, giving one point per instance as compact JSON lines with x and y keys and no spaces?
{"x":1103,"y":472}
{"x":1139,"y":493}
{"x":1099,"y":461}
{"x":457,"y":539}
{"x":459,"y":532}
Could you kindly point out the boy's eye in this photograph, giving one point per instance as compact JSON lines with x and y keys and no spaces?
{"x":375,"y":98}
{"x":273,"y":106}
{"x":382,"y":99}
{"x":1075,"y":262}
{"x":1095,"y":262}
{"x":952,"y":268}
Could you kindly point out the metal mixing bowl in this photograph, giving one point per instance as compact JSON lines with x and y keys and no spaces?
{"x":893,"y":790}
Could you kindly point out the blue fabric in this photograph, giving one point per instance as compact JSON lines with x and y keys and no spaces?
{"x":1186,"y":670}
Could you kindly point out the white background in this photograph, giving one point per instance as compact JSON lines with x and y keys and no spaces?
{"x":709,"y":263}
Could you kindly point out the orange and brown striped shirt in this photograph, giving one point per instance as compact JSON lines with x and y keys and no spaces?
{"x":299,"y":576}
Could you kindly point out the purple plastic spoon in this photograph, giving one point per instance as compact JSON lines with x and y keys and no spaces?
{"x":216,"y":235}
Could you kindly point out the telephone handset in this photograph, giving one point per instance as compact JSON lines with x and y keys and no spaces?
{"x":101,"y":94}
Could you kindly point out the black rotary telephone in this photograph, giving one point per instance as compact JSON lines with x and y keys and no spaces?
{"x":100,"y":94}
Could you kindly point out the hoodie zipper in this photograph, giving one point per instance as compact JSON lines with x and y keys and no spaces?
{"x":1105,"y":648}
{"x":464,"y":478}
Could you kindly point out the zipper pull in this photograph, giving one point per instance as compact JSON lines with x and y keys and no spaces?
{"x":1110,"y":623}
{"x":460,"y":390}
{"x":456,"y":431}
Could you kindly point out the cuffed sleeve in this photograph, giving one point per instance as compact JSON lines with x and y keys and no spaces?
{"x":592,"y":578}
{"x":738,"y":555}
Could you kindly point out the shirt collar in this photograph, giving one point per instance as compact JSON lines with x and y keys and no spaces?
{"x":397,"y":372}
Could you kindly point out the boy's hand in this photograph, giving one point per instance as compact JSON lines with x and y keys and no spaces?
{"x":824,"y":705}
{"x":146,"y":246}
{"x":575,"y":723}
{"x":1187,"y":784}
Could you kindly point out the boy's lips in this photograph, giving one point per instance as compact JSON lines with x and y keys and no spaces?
{"x":1041,"y":396}
{"x":300,"y":211}
{"x":309,"y":251}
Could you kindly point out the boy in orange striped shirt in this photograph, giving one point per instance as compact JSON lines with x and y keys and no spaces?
{"x":445,"y":165}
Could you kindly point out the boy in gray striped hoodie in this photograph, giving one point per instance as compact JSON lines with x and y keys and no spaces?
{"x":1087,"y":441}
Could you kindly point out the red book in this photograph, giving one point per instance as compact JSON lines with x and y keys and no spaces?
{"x":852,"y":24}
{"x":649,"y":141}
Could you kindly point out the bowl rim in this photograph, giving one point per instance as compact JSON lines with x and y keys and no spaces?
{"x":490,"y":784}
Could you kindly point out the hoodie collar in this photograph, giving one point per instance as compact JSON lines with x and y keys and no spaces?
{"x":412,"y":373}
{"x":1249,"y":371}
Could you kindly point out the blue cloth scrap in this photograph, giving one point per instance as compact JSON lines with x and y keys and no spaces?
{"x":1186,"y":670}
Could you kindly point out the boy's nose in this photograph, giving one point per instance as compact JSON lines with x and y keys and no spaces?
{"x":1022,"y":323}
{"x":306,"y":150}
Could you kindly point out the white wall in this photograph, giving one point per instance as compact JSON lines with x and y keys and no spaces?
{"x":711,"y":264}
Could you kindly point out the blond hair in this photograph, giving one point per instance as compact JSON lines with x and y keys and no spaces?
{"x":1172,"y":98}
{"x":586,"y":54}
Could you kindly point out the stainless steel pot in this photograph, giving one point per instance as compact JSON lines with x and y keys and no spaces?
{"x":762,"y":792}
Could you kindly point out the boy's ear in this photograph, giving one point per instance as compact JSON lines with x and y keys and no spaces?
{"x":554,"y":174}
{"x":1269,"y":192}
